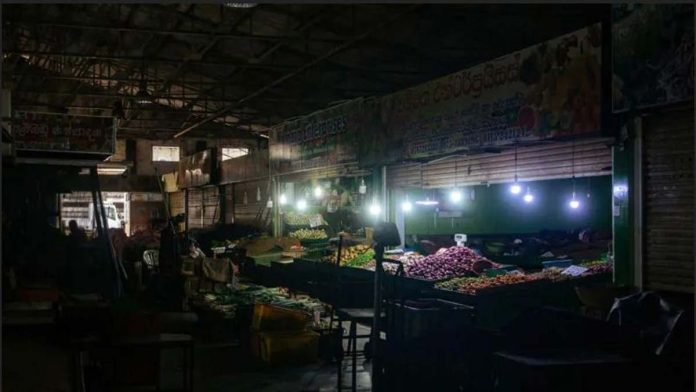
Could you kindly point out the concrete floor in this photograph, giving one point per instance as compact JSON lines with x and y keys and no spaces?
{"x":218,"y":368}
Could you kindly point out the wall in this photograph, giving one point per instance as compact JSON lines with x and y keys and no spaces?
{"x":143,"y":155}
{"x":496,"y":211}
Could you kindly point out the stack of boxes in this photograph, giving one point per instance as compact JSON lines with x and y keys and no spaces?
{"x":282,"y":336}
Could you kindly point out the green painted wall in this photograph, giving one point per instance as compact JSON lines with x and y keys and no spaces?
{"x":496,"y":211}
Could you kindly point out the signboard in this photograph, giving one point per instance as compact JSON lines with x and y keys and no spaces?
{"x":64,"y":133}
{"x":548,"y":90}
{"x":321,"y":139}
{"x":197,"y":169}
{"x":653,"y":54}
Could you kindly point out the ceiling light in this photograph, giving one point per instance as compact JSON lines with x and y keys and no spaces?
{"x":110,"y":170}
{"x":301,"y":205}
{"x":427,"y":202}
{"x":318,"y":192}
{"x":406,"y":206}
{"x":375,"y":209}
{"x":455,"y":196}
{"x":574,"y":203}
{"x":515,"y":189}
{"x":528,"y":197}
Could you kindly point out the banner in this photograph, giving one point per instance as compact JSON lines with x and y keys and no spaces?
{"x":321,"y":139}
{"x":548,"y":90}
{"x":653,"y":61}
{"x":52,"y":132}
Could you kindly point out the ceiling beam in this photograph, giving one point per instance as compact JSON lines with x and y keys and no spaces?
{"x":201,"y":34}
{"x":299,"y":70}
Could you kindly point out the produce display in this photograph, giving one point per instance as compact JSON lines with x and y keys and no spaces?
{"x":472,"y":285}
{"x":553,"y":274}
{"x":228,"y":301}
{"x":597,"y":267}
{"x":362,"y":253}
{"x":446,"y":263}
{"x":296,"y":219}
{"x":309,"y":234}
{"x":362,"y":259}
{"x":391,"y":268}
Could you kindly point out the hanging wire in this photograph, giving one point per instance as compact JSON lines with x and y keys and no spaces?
{"x":515,"y":161}
{"x":572,"y":166}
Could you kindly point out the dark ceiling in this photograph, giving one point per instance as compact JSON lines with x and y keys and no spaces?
{"x":224,"y":71}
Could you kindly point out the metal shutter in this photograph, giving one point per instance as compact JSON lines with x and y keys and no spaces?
{"x":195,"y":208}
{"x":668,"y":202}
{"x":249,"y":213}
{"x":541,"y":162}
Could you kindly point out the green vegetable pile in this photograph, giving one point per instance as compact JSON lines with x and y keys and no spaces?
{"x":229,"y":300}
{"x":362,"y":259}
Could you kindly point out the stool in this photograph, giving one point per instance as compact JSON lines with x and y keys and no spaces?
{"x":354,"y":316}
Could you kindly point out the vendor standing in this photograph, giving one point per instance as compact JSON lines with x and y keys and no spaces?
{"x":75,"y":256}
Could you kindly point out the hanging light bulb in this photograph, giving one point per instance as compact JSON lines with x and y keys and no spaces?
{"x":574,"y":203}
{"x":406,"y":206}
{"x":282,"y":199}
{"x":318,"y":192}
{"x":455,"y":196}
{"x":301,"y":205}
{"x":269,"y":203}
{"x":528,"y":197}
{"x":374,"y":208}
{"x":362,"y":189}
{"x":515,"y":188}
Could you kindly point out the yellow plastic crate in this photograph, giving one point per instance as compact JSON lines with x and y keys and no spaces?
{"x":276,"y":318}
{"x":286,"y":348}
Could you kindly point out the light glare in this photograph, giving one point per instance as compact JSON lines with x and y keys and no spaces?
{"x":515,"y":189}
{"x":375,"y":209}
{"x":318,"y":192}
{"x":301,"y":205}
{"x":406,"y":206}
{"x":283,"y":199}
{"x":455,"y":196}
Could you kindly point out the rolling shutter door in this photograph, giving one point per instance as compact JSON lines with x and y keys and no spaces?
{"x":211,"y":206}
{"x":195,"y":208}
{"x":542,"y":162}
{"x":668,"y":202}
{"x":249,"y":213}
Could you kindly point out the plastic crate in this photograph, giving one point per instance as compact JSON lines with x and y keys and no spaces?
{"x":275,"y":318}
{"x":286,"y":348}
{"x":266,"y":259}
